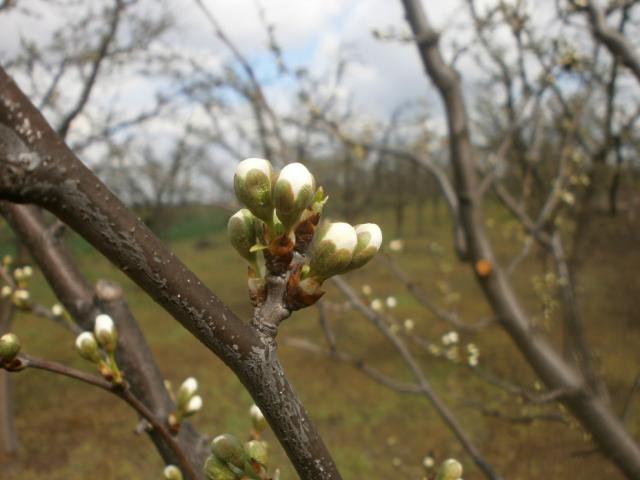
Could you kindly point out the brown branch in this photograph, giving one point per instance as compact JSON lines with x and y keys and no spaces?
{"x":422,"y":297}
{"x":611,"y":38}
{"x":442,"y":410}
{"x":358,"y":364}
{"x":36,"y":166}
{"x":100,"y":55}
{"x":593,"y":411}
{"x":24,"y":361}
{"x":256,"y":98}
{"x":83,"y":304}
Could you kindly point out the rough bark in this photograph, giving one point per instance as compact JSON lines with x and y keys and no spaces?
{"x":37,"y":167}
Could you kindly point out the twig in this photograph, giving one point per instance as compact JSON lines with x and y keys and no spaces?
{"x":23,"y":361}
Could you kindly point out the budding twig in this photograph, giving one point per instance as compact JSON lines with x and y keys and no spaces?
{"x":24,"y":361}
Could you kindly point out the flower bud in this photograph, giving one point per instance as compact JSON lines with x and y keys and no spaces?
{"x":18,"y":274}
{"x":242,"y":234}
{"x":87,"y":347}
{"x":228,"y":449}
{"x":171,"y":472}
{"x":193,"y":405}
{"x":257,"y":418}
{"x":216,"y":469}
{"x":21,"y":298}
{"x":27,"y":271}
{"x":105,"y":331}
{"x":391,"y":302}
{"x":57,"y":310}
{"x":9,"y":347}
{"x":256,"y":450}
{"x":369,"y":241}
{"x":186,"y":391}
{"x":6,"y":291}
{"x":450,"y":469}
{"x":332,"y":250}
{"x":293,"y":192}
{"x":252,"y":184}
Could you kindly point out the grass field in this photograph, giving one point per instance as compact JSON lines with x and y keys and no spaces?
{"x":70,"y":431}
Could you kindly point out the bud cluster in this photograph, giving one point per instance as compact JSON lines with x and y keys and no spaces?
{"x":187,"y":403}
{"x":232,"y":460}
{"x":282,"y":218}
{"x":17,"y":285}
{"x":99,"y":347}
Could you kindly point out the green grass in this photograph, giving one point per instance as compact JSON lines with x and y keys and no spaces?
{"x":70,"y":431}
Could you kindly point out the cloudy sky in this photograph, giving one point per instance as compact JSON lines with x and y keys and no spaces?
{"x":313,"y":33}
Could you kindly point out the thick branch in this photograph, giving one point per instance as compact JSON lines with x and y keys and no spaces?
{"x":36,"y":166}
{"x":615,"y":42}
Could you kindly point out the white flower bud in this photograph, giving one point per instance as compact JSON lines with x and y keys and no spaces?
{"x":396,"y":245}
{"x":450,"y":469}
{"x":428,"y":462}
{"x":18,"y":274}
{"x":332,"y":250}
{"x":6,"y":291}
{"x":369,"y":241}
{"x":377,"y":305}
{"x":57,"y":310}
{"x":293,"y":192}
{"x":194,"y":405}
{"x":409,"y":325}
{"x":242,"y":233}
{"x":21,"y":297}
{"x":27,"y":271}
{"x":188,"y":387}
{"x":252,"y":183}
{"x":87,"y":347}
{"x":185,"y":392}
{"x":367,"y":290}
{"x":9,"y":347}
{"x":171,"y":472}
{"x":391,"y":302}
{"x":257,"y":418}
{"x":105,"y":332}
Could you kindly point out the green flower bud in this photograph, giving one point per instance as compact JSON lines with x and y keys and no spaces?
{"x":9,"y":347}
{"x":252,"y":183}
{"x":87,"y":347}
{"x":106,"y":333}
{"x":228,"y":449}
{"x":450,"y":469}
{"x":294,"y":191}
{"x":216,"y":469}
{"x":242,"y":234}
{"x":257,"y":451}
{"x":369,"y":241}
{"x":332,"y":250}
{"x":257,"y":418}
{"x":171,"y":472}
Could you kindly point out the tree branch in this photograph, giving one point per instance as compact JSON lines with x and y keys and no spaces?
{"x":36,"y":166}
